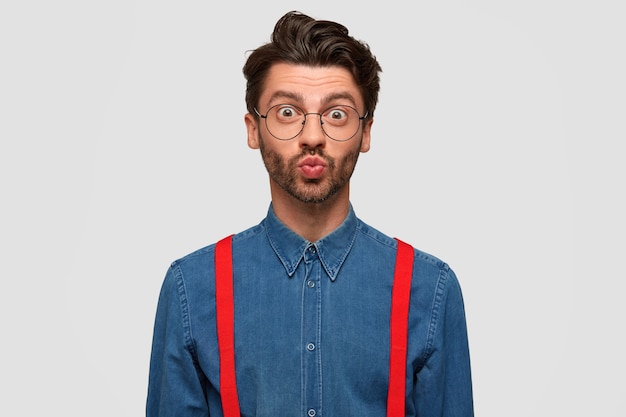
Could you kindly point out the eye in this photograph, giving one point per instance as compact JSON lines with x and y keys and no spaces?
{"x":286,"y":112}
{"x":336,"y":114}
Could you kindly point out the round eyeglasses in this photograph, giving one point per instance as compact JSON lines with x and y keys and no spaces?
{"x":286,"y":121}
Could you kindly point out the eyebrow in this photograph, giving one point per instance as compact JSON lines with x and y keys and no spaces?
{"x":299,"y":98}
{"x":337,"y":96}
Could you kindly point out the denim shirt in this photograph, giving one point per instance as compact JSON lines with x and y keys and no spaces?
{"x":311,"y":329}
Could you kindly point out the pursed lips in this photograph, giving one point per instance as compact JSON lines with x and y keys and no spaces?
{"x":312,"y":167}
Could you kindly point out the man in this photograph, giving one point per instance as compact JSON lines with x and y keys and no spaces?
{"x":310,"y":319}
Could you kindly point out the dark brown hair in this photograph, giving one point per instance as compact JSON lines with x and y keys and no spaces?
{"x":302,"y":40}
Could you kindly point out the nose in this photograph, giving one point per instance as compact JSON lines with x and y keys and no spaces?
{"x":312,"y":135}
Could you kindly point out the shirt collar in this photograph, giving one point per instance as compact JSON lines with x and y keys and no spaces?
{"x":290,"y":247}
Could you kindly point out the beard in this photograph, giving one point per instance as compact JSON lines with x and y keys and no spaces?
{"x":284,"y":172}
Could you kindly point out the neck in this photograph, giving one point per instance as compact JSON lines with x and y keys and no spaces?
{"x":312,"y":221}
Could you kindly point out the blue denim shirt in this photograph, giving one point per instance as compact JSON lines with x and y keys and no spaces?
{"x":311,"y":329}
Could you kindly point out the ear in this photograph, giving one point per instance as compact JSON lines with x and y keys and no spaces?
{"x":252,"y":126}
{"x":367,"y":129}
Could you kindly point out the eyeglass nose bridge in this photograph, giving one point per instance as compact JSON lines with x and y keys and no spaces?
{"x":304,"y":120}
{"x":321,"y":120}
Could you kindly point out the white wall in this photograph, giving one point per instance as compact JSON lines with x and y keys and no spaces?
{"x":497,"y":146}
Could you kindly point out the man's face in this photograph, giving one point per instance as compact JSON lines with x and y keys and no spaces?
{"x":311,"y":167}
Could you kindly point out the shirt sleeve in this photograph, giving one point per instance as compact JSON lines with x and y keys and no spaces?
{"x":175,"y":386}
{"x":444,"y":386}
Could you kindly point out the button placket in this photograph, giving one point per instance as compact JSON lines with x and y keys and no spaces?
{"x":311,"y":327}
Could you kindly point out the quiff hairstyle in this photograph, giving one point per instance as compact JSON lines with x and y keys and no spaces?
{"x":301,"y":40}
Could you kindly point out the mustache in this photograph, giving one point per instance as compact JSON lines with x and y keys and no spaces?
{"x":312,"y":152}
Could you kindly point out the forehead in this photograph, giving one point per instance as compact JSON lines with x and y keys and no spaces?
{"x":309,"y":85}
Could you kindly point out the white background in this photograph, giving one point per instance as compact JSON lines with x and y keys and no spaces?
{"x":497,"y":146}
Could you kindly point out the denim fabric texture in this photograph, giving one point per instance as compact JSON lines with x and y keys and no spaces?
{"x":311,"y":329}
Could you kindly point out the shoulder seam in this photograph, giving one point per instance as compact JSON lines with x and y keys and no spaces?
{"x":436,"y":308}
{"x":184,"y":307}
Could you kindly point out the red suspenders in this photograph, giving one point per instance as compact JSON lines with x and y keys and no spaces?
{"x":225,"y":314}
{"x":400,"y":296}
{"x":225,"y":317}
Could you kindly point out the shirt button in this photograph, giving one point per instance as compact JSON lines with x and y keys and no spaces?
{"x":311,"y":412}
{"x":312,"y":249}
{"x":310,"y":346}
{"x":310,"y":284}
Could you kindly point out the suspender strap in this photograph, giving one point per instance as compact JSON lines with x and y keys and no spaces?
{"x":225,"y":316}
{"x":400,"y":297}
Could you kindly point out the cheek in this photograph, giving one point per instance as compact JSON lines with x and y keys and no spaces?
{"x":284,"y":150}
{"x":272,"y":157}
